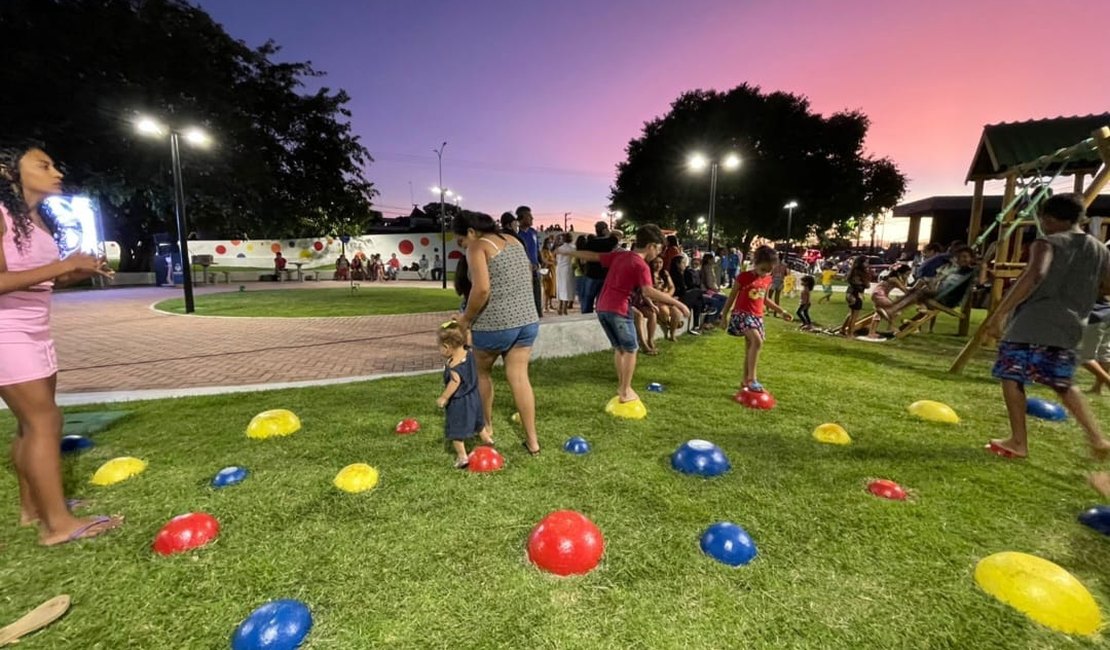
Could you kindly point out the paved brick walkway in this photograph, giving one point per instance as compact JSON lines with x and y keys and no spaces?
{"x":112,"y":341}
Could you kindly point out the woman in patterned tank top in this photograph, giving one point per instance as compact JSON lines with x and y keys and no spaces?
{"x":29,"y":269}
{"x":500,"y":314}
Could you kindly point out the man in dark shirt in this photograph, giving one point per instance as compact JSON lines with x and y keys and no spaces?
{"x":603,"y":242}
{"x":531,"y":240}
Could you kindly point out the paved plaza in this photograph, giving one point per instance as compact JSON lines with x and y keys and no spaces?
{"x":111,"y":340}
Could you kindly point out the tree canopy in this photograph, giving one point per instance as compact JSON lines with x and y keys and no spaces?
{"x":788,"y":153}
{"x":284,"y":162}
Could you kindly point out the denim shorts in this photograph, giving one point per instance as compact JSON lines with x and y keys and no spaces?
{"x":621,"y":330}
{"x":507,"y":339}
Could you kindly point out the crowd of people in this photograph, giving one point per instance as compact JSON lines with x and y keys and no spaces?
{"x":361,"y":268}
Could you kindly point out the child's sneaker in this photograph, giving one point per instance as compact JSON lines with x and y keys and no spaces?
{"x":754,"y":386}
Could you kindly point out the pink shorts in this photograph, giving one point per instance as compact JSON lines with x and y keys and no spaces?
{"x":27,"y":360}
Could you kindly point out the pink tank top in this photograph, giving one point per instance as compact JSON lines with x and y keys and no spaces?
{"x":26,"y":314}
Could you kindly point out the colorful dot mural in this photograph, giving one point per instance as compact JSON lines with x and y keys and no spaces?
{"x":321,"y":251}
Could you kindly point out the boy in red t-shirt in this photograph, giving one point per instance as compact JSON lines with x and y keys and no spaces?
{"x":628,"y":274}
{"x":745,"y":302}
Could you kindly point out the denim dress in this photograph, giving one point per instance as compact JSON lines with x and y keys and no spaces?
{"x":464,"y":410}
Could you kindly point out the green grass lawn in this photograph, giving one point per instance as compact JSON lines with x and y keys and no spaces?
{"x":434,"y":558}
{"x":303,"y":303}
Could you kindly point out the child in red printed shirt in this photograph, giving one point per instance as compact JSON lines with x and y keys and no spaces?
{"x":745,"y":302}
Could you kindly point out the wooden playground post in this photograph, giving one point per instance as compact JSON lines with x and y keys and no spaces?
{"x":972,"y":235}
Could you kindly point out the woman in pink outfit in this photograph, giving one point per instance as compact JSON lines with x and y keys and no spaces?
{"x":29,"y":268}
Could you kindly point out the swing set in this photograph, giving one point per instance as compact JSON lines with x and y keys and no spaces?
{"x":1028,"y":183}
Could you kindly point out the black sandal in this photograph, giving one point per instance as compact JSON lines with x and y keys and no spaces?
{"x":462,"y":464}
{"x":533,"y":453}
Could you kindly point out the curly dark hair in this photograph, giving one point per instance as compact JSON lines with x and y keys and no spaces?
{"x":11,"y":192}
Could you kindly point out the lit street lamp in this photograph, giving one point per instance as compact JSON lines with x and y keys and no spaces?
{"x":697,"y":163}
{"x":611,"y":214}
{"x":196,"y":137}
{"x":789,"y":207}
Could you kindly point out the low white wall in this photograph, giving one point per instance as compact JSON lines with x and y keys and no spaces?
{"x":324,"y":251}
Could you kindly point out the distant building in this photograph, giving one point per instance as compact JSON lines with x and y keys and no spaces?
{"x":416,"y":221}
{"x":951,"y":216}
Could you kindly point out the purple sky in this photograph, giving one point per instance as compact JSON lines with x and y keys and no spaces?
{"x":537,"y":100}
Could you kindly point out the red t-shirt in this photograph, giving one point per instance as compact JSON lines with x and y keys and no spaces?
{"x":394,"y":263}
{"x":627,"y":272}
{"x":279,"y":262}
{"x":752,"y":289}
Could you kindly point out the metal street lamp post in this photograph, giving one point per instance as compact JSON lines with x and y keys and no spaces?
{"x":198,"y":138}
{"x":699,"y":162}
{"x":442,"y":215}
{"x":789,"y":207}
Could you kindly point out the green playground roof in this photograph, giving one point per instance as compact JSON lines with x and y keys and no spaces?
{"x":1006,"y":145}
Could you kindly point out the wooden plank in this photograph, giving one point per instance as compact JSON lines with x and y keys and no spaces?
{"x":976,"y":213}
{"x":1097,"y":183}
{"x":1003,"y":252}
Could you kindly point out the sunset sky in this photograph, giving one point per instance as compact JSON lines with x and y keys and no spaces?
{"x":537,"y":100}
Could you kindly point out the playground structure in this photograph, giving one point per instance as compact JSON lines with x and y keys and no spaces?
{"x":1030,"y":157}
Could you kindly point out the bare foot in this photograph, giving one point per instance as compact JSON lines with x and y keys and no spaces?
{"x":81,"y":528}
{"x":630,"y":396}
{"x":28,"y":518}
{"x":1100,"y":450}
{"x":1008,"y":445}
{"x":486,"y":436}
{"x":1100,"y":481}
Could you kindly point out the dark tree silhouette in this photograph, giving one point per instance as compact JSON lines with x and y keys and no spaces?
{"x":788,"y":153}
{"x":284,"y":161}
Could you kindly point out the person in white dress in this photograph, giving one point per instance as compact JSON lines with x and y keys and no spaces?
{"x":564,"y":275}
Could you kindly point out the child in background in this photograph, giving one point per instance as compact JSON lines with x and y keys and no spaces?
{"x":803,"y":306}
{"x":1067,"y":270}
{"x":885,"y":307}
{"x":859,"y":278}
{"x":789,"y":284}
{"x":827,"y":276}
{"x":778,"y":278}
{"x":460,"y":398}
{"x":745,"y":303}
{"x":1094,"y":350}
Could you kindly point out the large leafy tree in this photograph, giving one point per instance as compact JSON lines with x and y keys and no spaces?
{"x":284,"y":161}
{"x":788,"y":153}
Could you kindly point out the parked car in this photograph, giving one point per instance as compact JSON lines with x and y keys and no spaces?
{"x":877,"y":265}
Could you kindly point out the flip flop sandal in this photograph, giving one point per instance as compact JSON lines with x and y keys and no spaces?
{"x":82,"y":532}
{"x":1001,"y":452}
{"x":462,"y":464}
{"x":35,"y":620}
{"x":532,"y":453}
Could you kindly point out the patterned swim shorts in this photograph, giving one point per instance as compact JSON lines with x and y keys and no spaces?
{"x":742,"y":321}
{"x":1027,"y":363}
